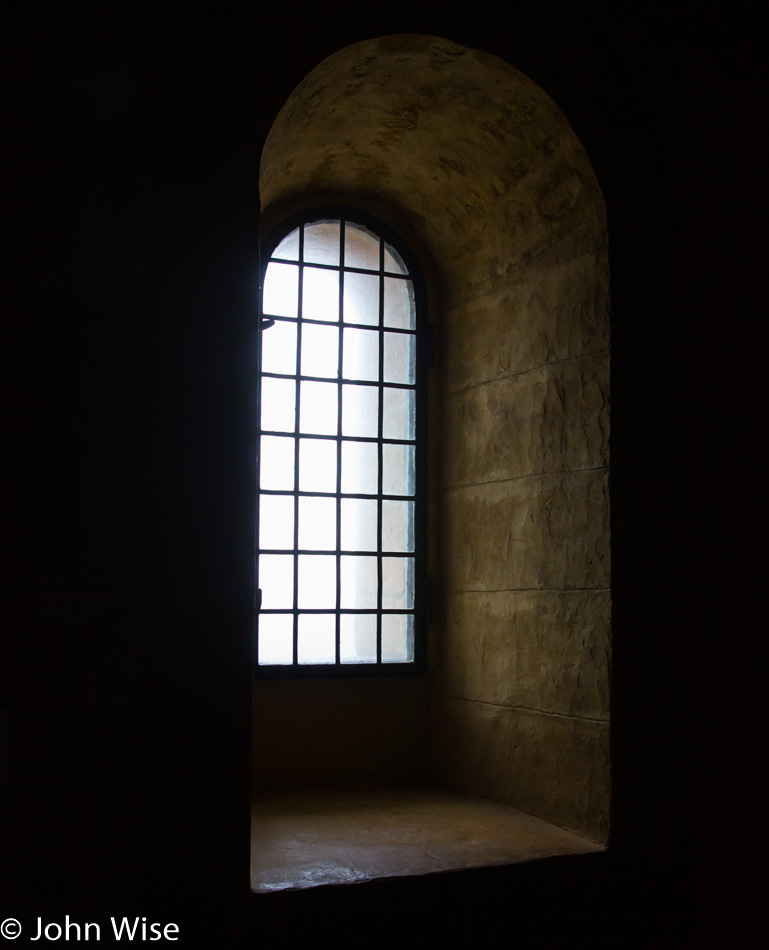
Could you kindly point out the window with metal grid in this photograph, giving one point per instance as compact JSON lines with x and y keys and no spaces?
{"x":340,"y":532}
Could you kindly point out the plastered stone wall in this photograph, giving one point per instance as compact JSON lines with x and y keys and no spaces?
{"x":479,"y":170}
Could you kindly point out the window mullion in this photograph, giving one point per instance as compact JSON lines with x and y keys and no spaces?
{"x":296,"y":446}
{"x":380,"y":453}
{"x":340,"y":315}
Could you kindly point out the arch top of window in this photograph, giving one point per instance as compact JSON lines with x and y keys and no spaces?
{"x":335,"y":239}
{"x":339,"y":241}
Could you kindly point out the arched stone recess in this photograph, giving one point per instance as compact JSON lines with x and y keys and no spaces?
{"x":479,"y":170}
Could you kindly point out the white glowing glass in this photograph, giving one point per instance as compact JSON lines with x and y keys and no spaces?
{"x":357,"y":638}
{"x":320,"y":294}
{"x":393,"y":262}
{"x":399,"y":413}
{"x":278,"y":399}
{"x":399,"y":303}
{"x":360,"y":468}
{"x":361,"y":299}
{"x":279,"y":348}
{"x":320,"y":350}
{"x":360,"y":354}
{"x":276,"y":462}
{"x":360,"y":410}
{"x":281,"y":290}
{"x":359,"y":524}
{"x":317,"y":465}
{"x":276,"y":521}
{"x":317,"y":524}
{"x":276,"y":639}
{"x":321,"y":243}
{"x":398,"y":470}
{"x":358,"y":581}
{"x":288,"y":249}
{"x":317,"y":408}
{"x":398,"y":582}
{"x":276,"y":581}
{"x":397,"y":525}
{"x":361,"y":247}
{"x":398,"y":638}
{"x":377,"y":568}
{"x":316,"y":638}
{"x":399,"y":358}
{"x":317,"y":580}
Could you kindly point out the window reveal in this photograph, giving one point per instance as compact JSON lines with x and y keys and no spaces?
{"x":340,"y":546}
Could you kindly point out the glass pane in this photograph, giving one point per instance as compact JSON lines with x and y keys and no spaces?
{"x":398,"y":582}
{"x":399,"y":413}
{"x":318,"y":408}
{"x":360,"y":410}
{"x":360,"y":358}
{"x":317,"y":524}
{"x":397,"y":469}
{"x":317,"y":580}
{"x":276,"y":462}
{"x":281,"y":290}
{"x":276,"y":521}
{"x":398,"y":638}
{"x":320,"y":294}
{"x":276,"y":581}
{"x":361,"y":299}
{"x":358,"y":581}
{"x":399,"y":357}
{"x":359,"y":524}
{"x":397,"y":525}
{"x":393,"y":261}
{"x":399,"y":303}
{"x":383,"y":577}
{"x":279,"y":348}
{"x":361,"y":247}
{"x":357,"y":638}
{"x":317,"y":465}
{"x":276,"y":639}
{"x":316,"y":639}
{"x":360,"y":468}
{"x":288,"y":247}
{"x":277,"y":405}
{"x":321,"y":243}
{"x":320,"y":351}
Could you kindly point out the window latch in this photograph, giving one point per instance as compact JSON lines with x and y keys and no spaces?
{"x":266,"y":323}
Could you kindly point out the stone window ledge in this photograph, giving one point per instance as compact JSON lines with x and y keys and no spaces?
{"x":351,"y":835}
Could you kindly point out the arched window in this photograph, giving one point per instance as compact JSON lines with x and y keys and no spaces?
{"x":479,"y":168}
{"x":341,"y":473}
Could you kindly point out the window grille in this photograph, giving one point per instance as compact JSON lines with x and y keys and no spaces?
{"x":341,"y":461}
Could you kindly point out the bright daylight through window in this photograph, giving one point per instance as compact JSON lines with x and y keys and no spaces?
{"x":340,"y":548}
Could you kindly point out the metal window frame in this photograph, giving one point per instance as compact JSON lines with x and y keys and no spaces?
{"x":422,"y":337}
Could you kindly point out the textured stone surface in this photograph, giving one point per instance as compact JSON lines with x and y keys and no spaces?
{"x":546,"y":315}
{"x":551,"y":419}
{"x":548,"y":531}
{"x":554,"y":767}
{"x":477,"y":158}
{"x":347,"y":836}
{"x":539,"y":649}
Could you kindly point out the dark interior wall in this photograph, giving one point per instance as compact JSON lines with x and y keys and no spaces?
{"x":128,"y":332}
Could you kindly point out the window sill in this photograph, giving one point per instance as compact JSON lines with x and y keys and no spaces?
{"x":351,"y":835}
